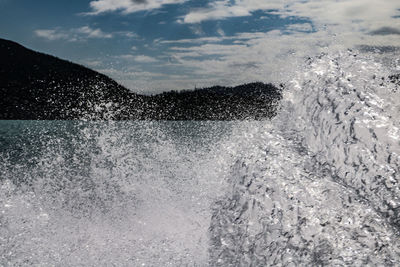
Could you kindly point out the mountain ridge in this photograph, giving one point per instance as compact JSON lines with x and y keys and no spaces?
{"x":35,"y":85}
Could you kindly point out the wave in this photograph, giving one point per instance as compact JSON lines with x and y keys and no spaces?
{"x":319,"y":184}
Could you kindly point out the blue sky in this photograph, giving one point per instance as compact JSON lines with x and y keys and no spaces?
{"x":155,"y":45}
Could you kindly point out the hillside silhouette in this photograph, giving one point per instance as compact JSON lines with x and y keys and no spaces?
{"x":36,"y":86}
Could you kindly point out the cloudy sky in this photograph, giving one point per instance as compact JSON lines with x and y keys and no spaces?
{"x":155,"y":45}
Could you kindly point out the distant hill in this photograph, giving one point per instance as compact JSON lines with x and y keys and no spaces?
{"x":39,"y":86}
{"x":35,"y":86}
{"x":248,"y":101}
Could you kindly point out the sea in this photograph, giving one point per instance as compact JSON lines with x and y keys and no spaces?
{"x":317,"y":185}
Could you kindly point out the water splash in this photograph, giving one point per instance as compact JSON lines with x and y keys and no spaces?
{"x":121,"y":193}
{"x":320,"y":184}
{"x":317,"y":185}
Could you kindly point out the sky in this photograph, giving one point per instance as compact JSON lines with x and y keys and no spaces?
{"x":155,"y":45}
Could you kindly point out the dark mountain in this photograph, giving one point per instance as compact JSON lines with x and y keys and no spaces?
{"x":39,"y":86}
{"x":34,"y":86}
{"x":248,"y":101}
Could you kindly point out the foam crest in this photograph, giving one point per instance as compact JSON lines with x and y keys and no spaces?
{"x":319,"y":184}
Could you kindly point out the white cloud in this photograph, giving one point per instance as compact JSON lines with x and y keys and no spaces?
{"x":238,"y":38}
{"x":145,"y":59}
{"x":51,"y":34}
{"x":127,"y":34}
{"x":335,"y":25}
{"x":126,"y":57}
{"x":226,"y":9}
{"x":191,"y":41}
{"x":301,"y":27}
{"x":147,"y":82}
{"x":130,"y":73}
{"x":340,"y":17}
{"x":73,"y":35}
{"x":92,"y":33}
{"x":197,"y":29}
{"x":80,"y":34}
{"x":354,"y":15}
{"x":138,"y":58}
{"x":220,"y":31}
{"x":263,"y":56}
{"x":128,"y":6}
